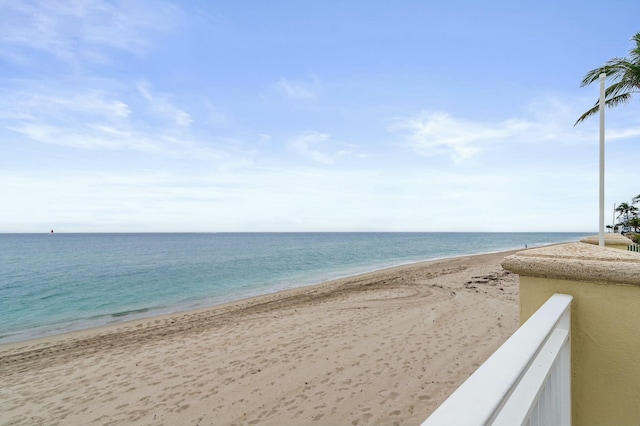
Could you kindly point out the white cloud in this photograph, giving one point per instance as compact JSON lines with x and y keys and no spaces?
{"x":263,"y":138}
{"x":549,"y":119}
{"x":320,"y":148}
{"x":161,"y":105}
{"x":437,"y":133}
{"x":214,"y":114}
{"x":72,"y":30}
{"x":297,"y":89}
{"x":91,"y":119}
{"x":307,"y":146}
{"x":80,"y":118}
{"x":618,"y":134}
{"x":41,"y":101}
{"x":87,"y":137}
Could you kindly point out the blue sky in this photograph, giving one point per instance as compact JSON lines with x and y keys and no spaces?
{"x":309,"y":116}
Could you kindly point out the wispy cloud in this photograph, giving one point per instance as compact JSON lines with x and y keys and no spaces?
{"x":85,"y":102}
{"x":90,"y":136}
{"x":80,"y":29}
{"x":631,"y":132}
{"x":82,"y":119}
{"x":162,"y":106}
{"x":320,"y":148}
{"x":98,"y":119}
{"x":308,"y":147}
{"x":263,"y":138}
{"x":438,"y":133}
{"x":298,"y":89}
{"x":549,"y":119}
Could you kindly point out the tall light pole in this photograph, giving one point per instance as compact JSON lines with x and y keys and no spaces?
{"x":601,"y":109}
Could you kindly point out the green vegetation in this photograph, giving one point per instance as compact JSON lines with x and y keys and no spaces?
{"x":624,"y":73}
{"x":628,"y":219}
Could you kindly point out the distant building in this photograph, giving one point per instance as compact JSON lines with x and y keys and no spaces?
{"x":623,"y":219}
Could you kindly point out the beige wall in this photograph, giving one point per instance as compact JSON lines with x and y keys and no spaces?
{"x":605,"y":320}
{"x":611,"y":240}
{"x":605,"y":339}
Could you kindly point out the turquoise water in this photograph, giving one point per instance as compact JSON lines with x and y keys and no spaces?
{"x":52,"y":283}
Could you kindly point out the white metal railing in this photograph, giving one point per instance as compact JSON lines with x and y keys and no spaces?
{"x":527,"y":381}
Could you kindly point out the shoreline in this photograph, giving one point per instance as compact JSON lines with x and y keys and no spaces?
{"x":271,"y":291}
{"x":147,"y":313}
{"x":404,"y":336}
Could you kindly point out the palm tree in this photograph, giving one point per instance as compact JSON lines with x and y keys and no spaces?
{"x":635,"y":199}
{"x":634,"y":223}
{"x":624,"y":72}
{"x":625,"y":209}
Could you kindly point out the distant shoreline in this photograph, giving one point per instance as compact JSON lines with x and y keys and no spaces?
{"x":160,"y":313}
{"x":142,"y":314}
{"x":280,"y":232}
{"x":157,"y":308}
{"x":389,"y":344}
{"x":340,"y":256}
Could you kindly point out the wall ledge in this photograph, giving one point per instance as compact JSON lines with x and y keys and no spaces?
{"x":577,"y":262}
{"x":609,"y":239}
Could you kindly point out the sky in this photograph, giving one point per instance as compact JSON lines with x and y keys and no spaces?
{"x":282,"y":116}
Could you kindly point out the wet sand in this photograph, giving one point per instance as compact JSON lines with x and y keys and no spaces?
{"x":381,"y":348}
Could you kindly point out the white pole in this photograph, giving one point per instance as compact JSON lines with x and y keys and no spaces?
{"x":601,"y":109}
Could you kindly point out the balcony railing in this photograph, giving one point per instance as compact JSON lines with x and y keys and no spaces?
{"x":527,"y":381}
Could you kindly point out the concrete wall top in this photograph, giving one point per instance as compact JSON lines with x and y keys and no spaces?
{"x":609,"y":239}
{"x":577,"y":262}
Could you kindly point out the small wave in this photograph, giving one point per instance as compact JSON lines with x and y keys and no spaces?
{"x":53,"y":296}
{"x":131,"y":312}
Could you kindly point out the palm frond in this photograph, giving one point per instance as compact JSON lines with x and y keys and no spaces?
{"x":623,"y":74}
{"x":587,"y":114}
{"x":613,"y":69}
{"x":609,"y":103}
{"x":617,"y":100}
{"x":635,"y":52}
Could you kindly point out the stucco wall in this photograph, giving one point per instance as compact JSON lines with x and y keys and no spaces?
{"x":611,"y":240}
{"x":605,"y":320}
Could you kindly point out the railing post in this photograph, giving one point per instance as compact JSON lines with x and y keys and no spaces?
{"x":564,"y":389}
{"x":528,"y":377}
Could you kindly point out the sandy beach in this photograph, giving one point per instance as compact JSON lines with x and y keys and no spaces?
{"x":381,"y":348}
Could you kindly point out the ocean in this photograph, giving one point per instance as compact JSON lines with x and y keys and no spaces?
{"x":54,"y":283}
